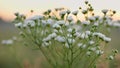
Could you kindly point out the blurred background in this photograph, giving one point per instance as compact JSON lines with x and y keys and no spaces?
{"x":19,"y":56}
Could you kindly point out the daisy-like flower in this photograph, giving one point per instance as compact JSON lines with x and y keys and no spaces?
{"x":85,"y":23}
{"x":83,"y":36}
{"x":93,"y":49}
{"x":88,"y":53}
{"x":107,"y":39}
{"x":87,"y":32}
{"x":91,"y":42}
{"x":70,"y":18}
{"x":70,"y":41}
{"x":56,"y":26}
{"x":62,"y":13}
{"x":68,"y":11}
{"x":110,"y":57}
{"x":53,"y":35}
{"x":75,"y":12}
{"x":84,"y":46}
{"x":69,"y":35}
{"x":30,"y":23}
{"x":47,"y":39}
{"x":99,"y":34}
{"x":92,"y":18}
{"x":79,"y":44}
{"x":36,"y":17}
{"x":84,"y":11}
{"x":60,"y":39}
{"x":7,"y":42}
{"x":61,"y":22}
{"x":19,"y":25}
{"x":49,"y":22}
{"x":105,"y":11}
{"x":70,"y":30}
{"x":96,"y":24}
{"x":99,"y":52}
{"x":97,"y":17}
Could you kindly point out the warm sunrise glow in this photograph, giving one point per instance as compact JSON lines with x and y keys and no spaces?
{"x":9,"y":7}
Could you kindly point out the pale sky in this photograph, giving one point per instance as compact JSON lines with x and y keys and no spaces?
{"x":9,"y":7}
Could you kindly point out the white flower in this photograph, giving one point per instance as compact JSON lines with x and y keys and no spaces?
{"x":18,"y":24}
{"x":67,"y":24}
{"x":70,"y":41}
{"x":77,"y":34}
{"x":83,"y":36}
{"x":91,"y":42}
{"x":107,"y":39}
{"x":87,"y":32}
{"x":85,"y":22}
{"x":88,"y":53}
{"x":44,"y":22}
{"x":84,"y":46}
{"x":46,"y":44}
{"x":99,"y":34}
{"x":61,"y":22}
{"x":70,"y":18}
{"x":84,"y":11}
{"x":63,"y":13}
{"x":92,"y":18}
{"x":69,"y":35}
{"x":56,"y":31}
{"x":97,"y":17}
{"x":30,"y":23}
{"x":47,"y":39}
{"x":79,"y":44}
{"x":96,"y":23}
{"x":70,"y":30}
{"x":111,"y":57}
{"x":60,"y":39}
{"x":53,"y":35}
{"x":7,"y":42}
{"x":75,"y":12}
{"x":49,"y":22}
{"x":60,"y":31}
{"x":93,"y":48}
{"x":56,"y":26}
{"x":99,"y":52}
{"x":21,"y":15}
{"x":105,"y":11}
{"x":66,"y":44}
{"x":102,"y":36}
{"x":36,"y":17}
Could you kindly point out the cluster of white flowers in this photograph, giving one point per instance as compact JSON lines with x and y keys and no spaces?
{"x":86,"y":22}
{"x":102,"y":36}
{"x":60,"y":39}
{"x":64,"y":30}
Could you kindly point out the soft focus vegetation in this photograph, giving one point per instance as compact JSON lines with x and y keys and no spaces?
{"x":15,"y":55}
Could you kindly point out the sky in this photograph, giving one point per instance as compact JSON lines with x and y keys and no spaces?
{"x":9,"y":7}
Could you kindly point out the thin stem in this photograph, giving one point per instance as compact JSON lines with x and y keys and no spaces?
{"x":47,"y":58}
